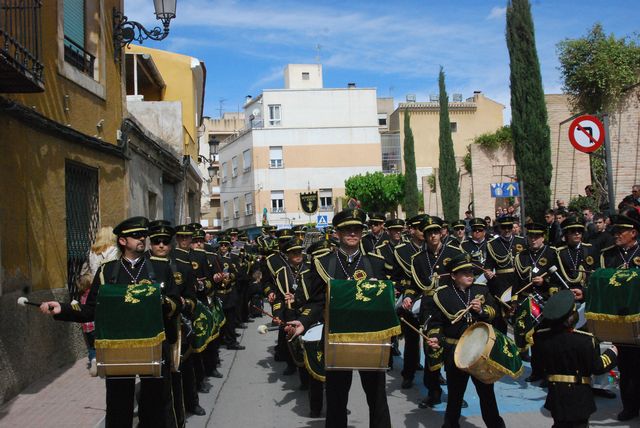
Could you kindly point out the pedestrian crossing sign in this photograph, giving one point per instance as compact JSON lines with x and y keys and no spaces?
{"x":323,"y":221}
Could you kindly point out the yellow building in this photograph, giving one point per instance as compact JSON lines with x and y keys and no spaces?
{"x":62,"y":169}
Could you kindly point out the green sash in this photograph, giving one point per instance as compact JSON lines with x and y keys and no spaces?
{"x":360,"y":311}
{"x":505,"y":356}
{"x":129,"y":316}
{"x":614,"y":296}
{"x":314,"y":359}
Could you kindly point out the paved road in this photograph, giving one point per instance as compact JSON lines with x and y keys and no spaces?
{"x":254,"y":393}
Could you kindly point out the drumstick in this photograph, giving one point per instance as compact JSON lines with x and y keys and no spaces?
{"x":23,"y":301}
{"x":459,"y":317}
{"x":531,"y":283}
{"x":506,"y":305}
{"x":424,"y":336}
{"x":267,"y":314}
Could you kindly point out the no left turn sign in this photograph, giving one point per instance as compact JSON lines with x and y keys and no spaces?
{"x":586,"y":133}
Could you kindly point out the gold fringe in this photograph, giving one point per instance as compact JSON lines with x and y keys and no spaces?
{"x":313,"y":374}
{"x":129,"y":343}
{"x":364,"y":336}
{"x":503,"y":369}
{"x":624,"y":319}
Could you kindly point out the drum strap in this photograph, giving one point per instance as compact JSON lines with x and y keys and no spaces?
{"x":113,"y":278}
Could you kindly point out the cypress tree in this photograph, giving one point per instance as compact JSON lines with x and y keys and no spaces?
{"x":448,"y":173}
{"x":411,"y":194}
{"x":531,"y":137}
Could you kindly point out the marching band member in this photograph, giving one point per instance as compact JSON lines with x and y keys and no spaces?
{"x":448,"y":302}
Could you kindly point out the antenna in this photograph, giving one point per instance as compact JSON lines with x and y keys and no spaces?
{"x":221,"y":106}
{"x":318,"y":49}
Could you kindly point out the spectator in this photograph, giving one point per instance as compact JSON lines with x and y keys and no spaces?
{"x":554,"y":232}
{"x":590,"y":228}
{"x":588,"y":191}
{"x":601,"y":238}
{"x":561,"y":205}
{"x":635,"y":193}
{"x":517,"y":230}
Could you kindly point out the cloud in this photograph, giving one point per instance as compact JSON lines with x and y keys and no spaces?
{"x":497,"y":12}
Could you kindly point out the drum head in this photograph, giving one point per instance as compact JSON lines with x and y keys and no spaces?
{"x":506,"y":296}
{"x":416,"y":307}
{"x":471,"y":345}
{"x":313,"y":334}
{"x":581,"y":318}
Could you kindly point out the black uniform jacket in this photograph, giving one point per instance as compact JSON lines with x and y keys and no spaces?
{"x":426,"y":269}
{"x":616,"y":257}
{"x":575,"y":263}
{"x":156,"y":270}
{"x":569,"y":356}
{"x":529,"y":264}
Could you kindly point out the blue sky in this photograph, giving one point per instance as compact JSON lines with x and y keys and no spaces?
{"x":394,"y":46}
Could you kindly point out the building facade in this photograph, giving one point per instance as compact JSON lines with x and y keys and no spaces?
{"x":298,"y":139}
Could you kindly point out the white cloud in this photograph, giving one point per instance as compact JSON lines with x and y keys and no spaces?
{"x":497,"y":12}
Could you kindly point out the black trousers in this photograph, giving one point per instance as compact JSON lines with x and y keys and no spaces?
{"x":189,"y":384}
{"x":411,"y":355}
{"x":155,"y":409}
{"x":229,"y":327}
{"x":316,"y":394}
{"x":178,"y":398}
{"x":210,"y":357}
{"x":338,"y":384}
{"x":457,"y":384}
{"x":581,"y":424}
{"x":629,"y":366}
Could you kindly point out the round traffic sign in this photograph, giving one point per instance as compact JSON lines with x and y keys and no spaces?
{"x":586,"y":133}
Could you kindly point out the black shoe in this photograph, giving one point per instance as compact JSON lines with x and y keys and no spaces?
{"x":464,"y":404}
{"x":604,"y":393}
{"x":204,"y":389}
{"x":429,"y":402}
{"x":197,"y":410}
{"x":406,"y":383}
{"x":216,"y":374}
{"x":236,"y":346}
{"x":626,"y":415}
{"x":420,"y":367}
{"x":315,"y":414}
{"x":243,"y":325}
{"x":289,"y":370}
{"x":442,"y":380}
{"x":533,"y":378}
{"x":238,"y":334}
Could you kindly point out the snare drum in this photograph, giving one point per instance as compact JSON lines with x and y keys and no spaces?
{"x":313,"y":355}
{"x":486,"y":354}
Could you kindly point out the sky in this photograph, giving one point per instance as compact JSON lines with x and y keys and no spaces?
{"x":396,"y":46}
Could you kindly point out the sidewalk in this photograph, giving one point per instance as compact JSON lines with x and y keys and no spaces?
{"x":67,"y":397}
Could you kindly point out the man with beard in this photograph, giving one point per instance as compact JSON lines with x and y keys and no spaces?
{"x":132,"y":267}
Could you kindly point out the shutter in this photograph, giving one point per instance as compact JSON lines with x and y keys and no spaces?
{"x":74,"y":21}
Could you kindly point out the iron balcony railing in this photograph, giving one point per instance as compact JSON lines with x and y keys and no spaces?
{"x":21,"y":65}
{"x":75,"y":55}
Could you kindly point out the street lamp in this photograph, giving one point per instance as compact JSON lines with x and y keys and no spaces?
{"x":125,"y":31}
{"x":214,"y":143}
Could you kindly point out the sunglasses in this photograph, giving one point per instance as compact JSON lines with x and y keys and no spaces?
{"x":478,"y":230}
{"x":459,"y":228}
{"x":160,"y":240}
{"x":137,"y":235}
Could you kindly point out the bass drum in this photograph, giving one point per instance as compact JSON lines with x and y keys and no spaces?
{"x":311,"y":343}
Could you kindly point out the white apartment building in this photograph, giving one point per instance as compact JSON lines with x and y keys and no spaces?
{"x":298,"y":139}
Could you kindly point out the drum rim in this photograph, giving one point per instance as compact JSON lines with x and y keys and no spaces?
{"x":486,"y":351}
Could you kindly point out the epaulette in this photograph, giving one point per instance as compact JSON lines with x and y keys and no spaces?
{"x":442,"y":287}
{"x":199,"y":249}
{"x":479,"y":284}
{"x":586,"y":244}
{"x":607,"y":249}
{"x":159,"y":259}
{"x":184,"y":251}
{"x":182,"y":261}
{"x":586,"y":333}
{"x":375,"y":255}
{"x":560,"y":248}
{"x":403,"y":244}
{"x":492,"y":239}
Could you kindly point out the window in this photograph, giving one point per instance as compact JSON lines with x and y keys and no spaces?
{"x":236,"y":210}
{"x":274,"y":114}
{"x":248,"y":204}
{"x":391,"y":153}
{"x":454,"y":126}
{"x":225,"y":210}
{"x":277,"y":201}
{"x":326,"y":200}
{"x":75,"y":52}
{"x":224,"y":172}
{"x":275,"y":157}
{"x":152,"y":201}
{"x":305,"y":75}
{"x":246,"y":160}
{"x":382,"y":119}
{"x":234,"y":166}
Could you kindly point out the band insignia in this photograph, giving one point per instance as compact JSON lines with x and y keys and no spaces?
{"x":589,"y":260}
{"x":359,"y":275}
{"x":622,"y":276}
{"x":145,"y":282}
{"x":446,"y":261}
{"x":195,"y":265}
{"x":177,"y":277}
{"x":543,"y":261}
{"x":306,"y":312}
{"x":277,"y":306}
{"x":366,"y":290}
{"x":519,"y":247}
{"x":75,"y":306}
{"x":226,"y":265}
{"x":636,"y":260}
{"x":134,"y":291}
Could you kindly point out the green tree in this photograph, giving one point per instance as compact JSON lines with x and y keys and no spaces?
{"x":376,"y":191}
{"x":447,"y":172}
{"x":532,"y":144}
{"x":411,"y":194}
{"x":596,"y":69}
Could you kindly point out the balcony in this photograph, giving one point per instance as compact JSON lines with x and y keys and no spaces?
{"x":21,"y":68}
{"x":75,"y":55}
